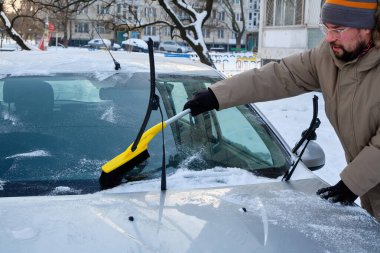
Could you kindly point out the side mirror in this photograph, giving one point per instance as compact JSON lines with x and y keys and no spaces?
{"x":314,"y":156}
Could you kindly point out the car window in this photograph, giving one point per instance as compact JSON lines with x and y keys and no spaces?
{"x":57,"y":131}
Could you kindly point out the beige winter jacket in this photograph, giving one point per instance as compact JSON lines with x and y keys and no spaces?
{"x":352,"y":102}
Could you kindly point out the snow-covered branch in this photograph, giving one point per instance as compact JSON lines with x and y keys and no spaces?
{"x":11,"y":32}
{"x":191,"y":32}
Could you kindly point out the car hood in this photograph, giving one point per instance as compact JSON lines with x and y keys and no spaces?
{"x":269,"y":217}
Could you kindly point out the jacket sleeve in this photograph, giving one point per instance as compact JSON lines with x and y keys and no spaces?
{"x":363,"y":172}
{"x":294,"y":75}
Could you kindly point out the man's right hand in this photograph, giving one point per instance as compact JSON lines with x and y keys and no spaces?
{"x":203,"y":101}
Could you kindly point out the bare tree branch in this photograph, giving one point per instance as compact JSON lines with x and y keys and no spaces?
{"x":233,"y":23}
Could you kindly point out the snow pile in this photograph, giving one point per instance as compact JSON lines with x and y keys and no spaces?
{"x":190,"y":179}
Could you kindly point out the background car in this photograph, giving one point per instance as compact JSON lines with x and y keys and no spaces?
{"x":174,"y":46}
{"x":61,"y":121}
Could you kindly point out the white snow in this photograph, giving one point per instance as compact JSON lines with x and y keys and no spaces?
{"x":190,"y":179}
{"x":36,"y":153}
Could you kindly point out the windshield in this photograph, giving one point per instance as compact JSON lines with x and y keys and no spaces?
{"x":57,"y":131}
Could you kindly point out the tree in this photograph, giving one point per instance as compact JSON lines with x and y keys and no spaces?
{"x":184,"y":18}
{"x":235,"y":19}
{"x":62,"y":12}
{"x":190,"y":28}
{"x":25,"y":19}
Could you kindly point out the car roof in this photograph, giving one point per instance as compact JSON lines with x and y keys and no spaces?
{"x":69,"y":61}
{"x":270,"y":217}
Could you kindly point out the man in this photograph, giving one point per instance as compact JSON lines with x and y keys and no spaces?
{"x":346,"y":68}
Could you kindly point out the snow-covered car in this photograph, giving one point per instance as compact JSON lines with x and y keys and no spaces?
{"x":135,"y":45}
{"x":64,"y":114}
{"x":174,"y":46}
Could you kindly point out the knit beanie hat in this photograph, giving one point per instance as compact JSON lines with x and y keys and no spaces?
{"x":350,"y":13}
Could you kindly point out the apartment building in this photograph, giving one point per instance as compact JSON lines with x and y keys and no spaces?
{"x":117,"y":22}
{"x":296,"y":23}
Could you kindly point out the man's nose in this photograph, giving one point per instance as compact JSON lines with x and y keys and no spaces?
{"x":330,"y":37}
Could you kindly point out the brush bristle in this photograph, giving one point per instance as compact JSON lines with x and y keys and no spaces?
{"x":113,"y":178}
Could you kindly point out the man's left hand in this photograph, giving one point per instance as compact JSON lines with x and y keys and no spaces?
{"x":338,"y":193}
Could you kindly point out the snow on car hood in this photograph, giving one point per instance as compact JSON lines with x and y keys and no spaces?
{"x":269,"y":217}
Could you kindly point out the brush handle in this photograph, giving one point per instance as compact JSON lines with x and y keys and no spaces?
{"x":177,"y":117}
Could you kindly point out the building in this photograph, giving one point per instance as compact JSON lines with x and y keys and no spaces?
{"x":295,"y":22}
{"x":117,"y":22}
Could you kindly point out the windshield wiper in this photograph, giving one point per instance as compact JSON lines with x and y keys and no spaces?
{"x":308,"y":135}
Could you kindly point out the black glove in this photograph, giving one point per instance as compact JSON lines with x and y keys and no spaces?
{"x":202,"y":102}
{"x":338,"y":193}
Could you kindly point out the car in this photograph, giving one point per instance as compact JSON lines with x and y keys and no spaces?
{"x":135,"y":45}
{"x":57,"y":46}
{"x":102,"y":43}
{"x":9,"y":47}
{"x":65,"y":114}
{"x":174,"y":46}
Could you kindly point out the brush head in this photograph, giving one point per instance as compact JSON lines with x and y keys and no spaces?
{"x":114,"y":177}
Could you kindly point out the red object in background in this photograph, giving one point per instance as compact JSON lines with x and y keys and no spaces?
{"x":41,"y":44}
{"x":51,"y":27}
{"x":44,"y":42}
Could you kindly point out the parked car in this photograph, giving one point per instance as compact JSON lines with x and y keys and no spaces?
{"x":10,"y":47}
{"x":135,"y":45}
{"x":66,"y":113}
{"x":57,"y":46}
{"x":174,"y":46}
{"x":102,"y":43}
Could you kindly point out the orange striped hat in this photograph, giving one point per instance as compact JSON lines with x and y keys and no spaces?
{"x":350,"y":13}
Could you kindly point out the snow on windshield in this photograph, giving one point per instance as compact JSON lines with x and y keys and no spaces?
{"x":36,"y":153}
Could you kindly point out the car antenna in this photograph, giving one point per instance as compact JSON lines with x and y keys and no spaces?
{"x":309,"y":134}
{"x":117,"y":65}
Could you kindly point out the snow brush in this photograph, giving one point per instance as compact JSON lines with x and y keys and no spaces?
{"x":114,"y":170}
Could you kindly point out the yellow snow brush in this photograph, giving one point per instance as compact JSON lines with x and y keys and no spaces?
{"x":114,"y":170}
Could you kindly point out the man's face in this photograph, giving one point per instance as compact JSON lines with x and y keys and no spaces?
{"x":346,"y":42}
